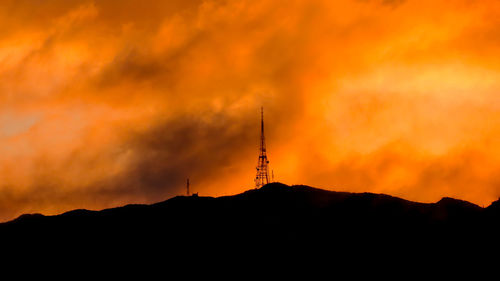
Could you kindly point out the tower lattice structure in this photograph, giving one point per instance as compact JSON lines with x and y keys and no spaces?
{"x":262,"y":177}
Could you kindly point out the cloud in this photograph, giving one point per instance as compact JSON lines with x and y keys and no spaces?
{"x":187,"y":146}
{"x":104,"y":103}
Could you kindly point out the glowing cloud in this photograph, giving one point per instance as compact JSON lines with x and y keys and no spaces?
{"x":110,"y":102}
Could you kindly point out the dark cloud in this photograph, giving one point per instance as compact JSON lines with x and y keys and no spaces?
{"x":130,"y":66}
{"x":187,"y":146}
{"x":393,"y":3}
{"x":160,"y":159}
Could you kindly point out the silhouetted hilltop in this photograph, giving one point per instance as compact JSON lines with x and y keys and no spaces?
{"x":277,"y":215}
{"x":494,"y":207}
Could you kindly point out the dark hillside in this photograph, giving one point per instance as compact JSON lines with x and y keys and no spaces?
{"x":276,"y":216}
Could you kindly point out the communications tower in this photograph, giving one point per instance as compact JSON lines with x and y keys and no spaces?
{"x":262,"y":177}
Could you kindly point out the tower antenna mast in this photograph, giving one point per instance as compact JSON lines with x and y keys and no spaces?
{"x":262,"y":177}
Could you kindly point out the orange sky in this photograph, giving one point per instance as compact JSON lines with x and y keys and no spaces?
{"x":104,"y":103}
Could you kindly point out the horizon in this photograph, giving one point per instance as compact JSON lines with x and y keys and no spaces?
{"x":108,"y":103}
{"x":245,"y":191}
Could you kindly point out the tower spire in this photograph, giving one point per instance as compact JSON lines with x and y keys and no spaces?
{"x":262,"y":177}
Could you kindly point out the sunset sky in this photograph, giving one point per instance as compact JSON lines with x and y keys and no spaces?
{"x":105,"y":103}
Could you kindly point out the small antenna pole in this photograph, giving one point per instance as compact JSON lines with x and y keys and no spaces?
{"x":187,"y":186}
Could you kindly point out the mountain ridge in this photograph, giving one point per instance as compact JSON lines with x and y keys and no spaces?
{"x":278,"y":218}
{"x":272,"y":187}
